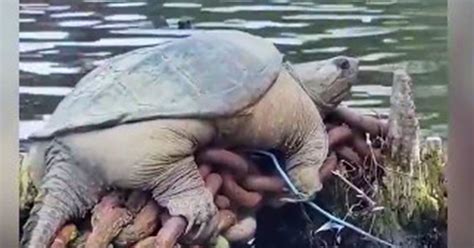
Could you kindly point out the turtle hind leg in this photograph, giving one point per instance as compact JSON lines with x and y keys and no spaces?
{"x":66,"y":192}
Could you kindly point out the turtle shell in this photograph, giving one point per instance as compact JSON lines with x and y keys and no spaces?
{"x":208,"y":74}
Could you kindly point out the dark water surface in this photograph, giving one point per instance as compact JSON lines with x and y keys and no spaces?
{"x":61,"y":40}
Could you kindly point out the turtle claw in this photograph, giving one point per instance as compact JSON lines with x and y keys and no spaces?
{"x":197,"y":207}
{"x":205,"y":232}
{"x":108,"y":219}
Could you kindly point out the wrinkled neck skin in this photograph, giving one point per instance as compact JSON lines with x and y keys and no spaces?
{"x":324,"y":83}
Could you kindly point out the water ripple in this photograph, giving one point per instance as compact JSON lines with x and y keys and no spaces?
{"x":412,"y":67}
{"x":285,"y":41}
{"x":373,"y":90}
{"x":285,"y":8}
{"x":158,"y":32}
{"x":363,"y":102}
{"x":72,"y":14}
{"x":361,"y":18}
{"x":44,"y":35}
{"x":27,"y":127}
{"x":379,"y":56}
{"x":349,"y":32}
{"x":79,"y":23}
{"x":47,"y":68}
{"x":27,"y":20}
{"x":249,"y":24}
{"x":126,"y":5}
{"x":125,"y":17}
{"x":50,"y":91}
{"x":325,"y":50}
{"x":182,"y":5}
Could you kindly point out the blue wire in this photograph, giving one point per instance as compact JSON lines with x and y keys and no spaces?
{"x":314,"y":205}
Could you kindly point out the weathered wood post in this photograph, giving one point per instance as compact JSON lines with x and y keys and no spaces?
{"x":413,"y":197}
{"x":404,"y":129}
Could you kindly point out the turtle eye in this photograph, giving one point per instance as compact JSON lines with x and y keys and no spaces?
{"x":343,"y":63}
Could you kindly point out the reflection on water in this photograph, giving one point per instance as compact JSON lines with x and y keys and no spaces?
{"x":61,"y":40}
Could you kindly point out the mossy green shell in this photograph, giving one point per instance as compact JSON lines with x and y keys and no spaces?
{"x":206,"y":75}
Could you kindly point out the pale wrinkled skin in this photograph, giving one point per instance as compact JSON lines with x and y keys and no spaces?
{"x":158,"y":155}
{"x":287,"y":120}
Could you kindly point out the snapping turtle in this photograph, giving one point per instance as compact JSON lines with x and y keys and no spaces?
{"x":137,"y":120}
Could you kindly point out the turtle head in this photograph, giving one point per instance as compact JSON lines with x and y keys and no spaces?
{"x":328,"y":82}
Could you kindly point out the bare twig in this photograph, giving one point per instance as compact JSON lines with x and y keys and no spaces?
{"x":361,"y":193}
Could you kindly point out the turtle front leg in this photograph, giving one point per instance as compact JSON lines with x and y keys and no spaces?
{"x":66,"y":192}
{"x":303,"y":166}
{"x":184,"y":194}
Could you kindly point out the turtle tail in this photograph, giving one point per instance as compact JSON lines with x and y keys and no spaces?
{"x":66,"y":192}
